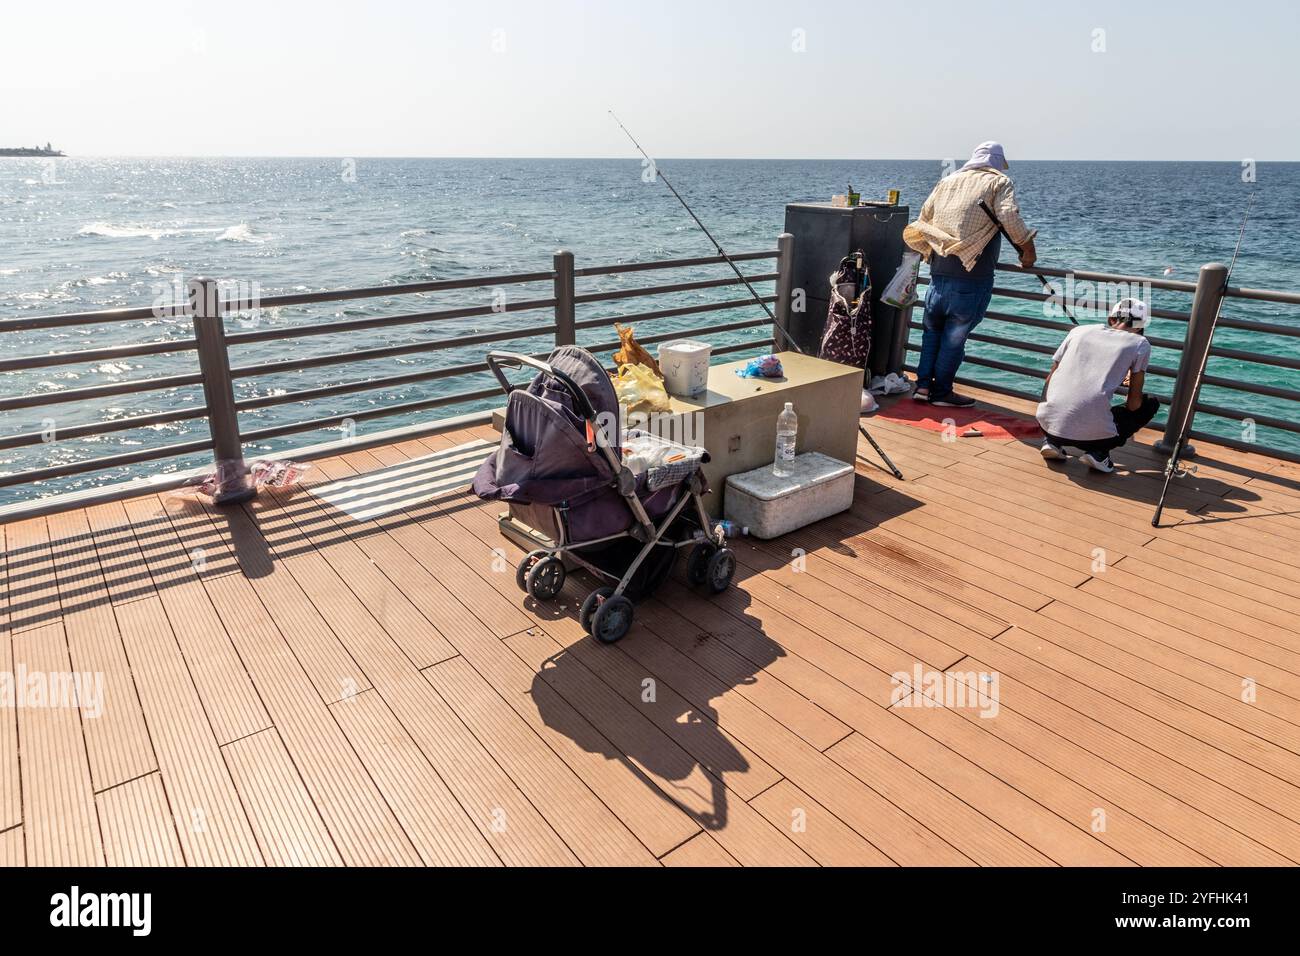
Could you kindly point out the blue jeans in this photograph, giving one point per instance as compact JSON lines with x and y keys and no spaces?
{"x":953,"y":307}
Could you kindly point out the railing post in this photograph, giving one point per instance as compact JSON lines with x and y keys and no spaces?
{"x":1210,"y":284}
{"x":565,"y":334}
{"x":233,"y":484}
{"x":784,"y":288}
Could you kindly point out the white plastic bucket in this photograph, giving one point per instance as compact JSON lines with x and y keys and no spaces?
{"x":685,"y":364}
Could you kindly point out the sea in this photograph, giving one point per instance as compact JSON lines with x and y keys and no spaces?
{"x":80,"y":234}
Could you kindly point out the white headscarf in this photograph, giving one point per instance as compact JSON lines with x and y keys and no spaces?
{"x":987,"y":155}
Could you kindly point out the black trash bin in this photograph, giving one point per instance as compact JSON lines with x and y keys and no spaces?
{"x":825,"y":234}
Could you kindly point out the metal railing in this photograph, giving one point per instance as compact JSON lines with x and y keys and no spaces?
{"x":211,"y":358}
{"x":207,"y":361}
{"x":1207,"y":293}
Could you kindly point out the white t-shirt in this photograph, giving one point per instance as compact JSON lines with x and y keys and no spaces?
{"x":1091,"y":365}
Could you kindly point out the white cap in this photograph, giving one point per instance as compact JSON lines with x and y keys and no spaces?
{"x":1134,"y":312}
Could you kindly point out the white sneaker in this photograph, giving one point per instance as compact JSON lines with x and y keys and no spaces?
{"x":869,"y":403}
{"x":1104,"y":465}
{"x":1052,"y":452}
{"x":879,"y":385}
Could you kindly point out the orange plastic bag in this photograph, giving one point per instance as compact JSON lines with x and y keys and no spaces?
{"x":632,"y":351}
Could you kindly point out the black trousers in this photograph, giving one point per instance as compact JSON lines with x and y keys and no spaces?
{"x":1126,"y":423}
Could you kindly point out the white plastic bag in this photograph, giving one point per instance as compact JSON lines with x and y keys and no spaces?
{"x":901,"y":291}
{"x":641,"y":390}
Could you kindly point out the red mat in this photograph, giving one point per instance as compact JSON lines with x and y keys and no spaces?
{"x":931,"y":418}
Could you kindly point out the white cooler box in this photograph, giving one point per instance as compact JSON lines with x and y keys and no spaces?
{"x":768,"y":506}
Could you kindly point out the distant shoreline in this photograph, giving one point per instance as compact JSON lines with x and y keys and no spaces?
{"x":30,"y":151}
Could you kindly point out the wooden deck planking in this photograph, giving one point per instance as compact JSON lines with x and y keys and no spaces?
{"x":279,"y":604}
{"x":380,"y":683}
{"x":122,"y":563}
{"x":1113,"y":784}
{"x":12,"y":851}
{"x":656,"y":822}
{"x":1124,"y":690}
{"x":219,"y":677}
{"x":663,"y":754}
{"x":32,"y":590}
{"x":359,"y":820}
{"x":594,"y":834}
{"x":401,"y":620}
{"x":816,"y":830}
{"x":577,"y":791}
{"x":429,"y":812}
{"x":139,"y":829}
{"x":1171,"y":728}
{"x":465,"y":765}
{"x":289,"y":829}
{"x":1021,"y":860}
{"x":117,"y":741}
{"x":60,"y":827}
{"x":654,"y":755}
{"x":700,"y":850}
{"x":475,"y":517}
{"x":355,"y":812}
{"x":210,"y":819}
{"x":11,"y":799}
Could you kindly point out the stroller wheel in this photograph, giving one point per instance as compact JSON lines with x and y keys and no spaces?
{"x":588,"y":609}
{"x":697,"y":565}
{"x":546,"y":578}
{"x":612,"y":619}
{"x":525,"y":565}
{"x":721,"y":569}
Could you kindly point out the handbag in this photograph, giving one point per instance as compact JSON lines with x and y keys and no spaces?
{"x":847,"y":338}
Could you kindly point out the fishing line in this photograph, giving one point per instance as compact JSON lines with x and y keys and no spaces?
{"x":741,"y":276}
{"x":1171,"y":467}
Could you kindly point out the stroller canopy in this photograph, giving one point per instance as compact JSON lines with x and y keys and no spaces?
{"x":543,"y":456}
{"x":581,"y":366}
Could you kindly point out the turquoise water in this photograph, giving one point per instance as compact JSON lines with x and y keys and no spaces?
{"x":103,"y":233}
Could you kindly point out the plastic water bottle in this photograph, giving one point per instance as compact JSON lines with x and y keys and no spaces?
{"x":787,"y":426}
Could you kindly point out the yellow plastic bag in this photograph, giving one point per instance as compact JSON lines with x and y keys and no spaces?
{"x":641,"y":390}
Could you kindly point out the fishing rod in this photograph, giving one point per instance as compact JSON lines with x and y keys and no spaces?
{"x":742,"y":277}
{"x":1176,"y":453}
{"x":1047,"y":286}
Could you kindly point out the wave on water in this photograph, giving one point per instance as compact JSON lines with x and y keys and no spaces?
{"x":241,"y":233}
{"x":108,"y":230}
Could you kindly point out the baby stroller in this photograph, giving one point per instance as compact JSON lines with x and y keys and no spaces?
{"x":561,"y":468}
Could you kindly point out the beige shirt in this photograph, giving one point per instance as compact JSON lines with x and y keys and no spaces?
{"x":952,"y":224}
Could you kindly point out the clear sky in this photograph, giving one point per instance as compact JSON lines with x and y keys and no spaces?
{"x":692,"y":78}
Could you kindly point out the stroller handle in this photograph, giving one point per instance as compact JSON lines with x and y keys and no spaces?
{"x":498,"y":360}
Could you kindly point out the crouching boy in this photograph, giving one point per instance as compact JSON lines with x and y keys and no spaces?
{"x":1091,"y":364}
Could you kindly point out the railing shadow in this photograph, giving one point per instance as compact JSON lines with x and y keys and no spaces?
{"x":185,"y":540}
